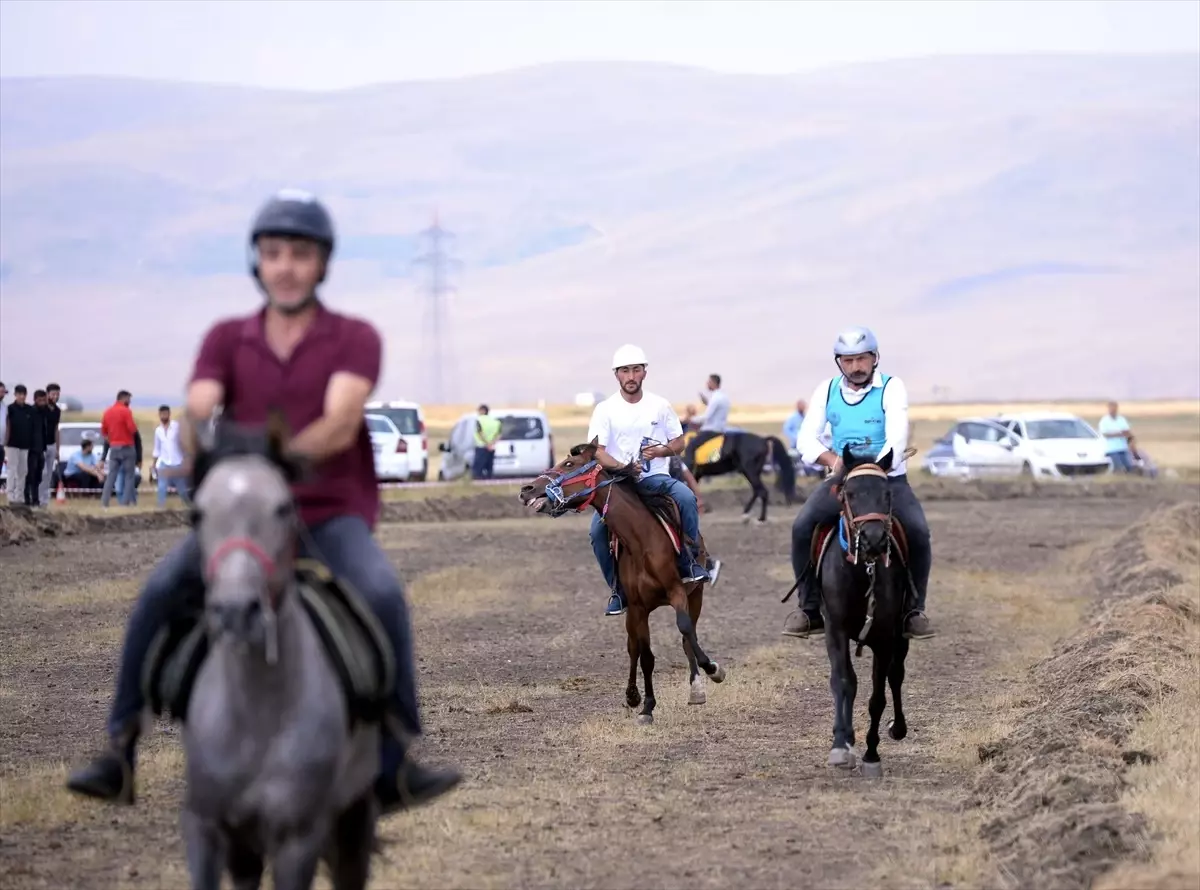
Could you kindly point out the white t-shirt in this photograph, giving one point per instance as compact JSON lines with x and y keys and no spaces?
{"x":620,"y":426}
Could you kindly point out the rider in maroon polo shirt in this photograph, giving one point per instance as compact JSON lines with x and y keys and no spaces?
{"x":319,"y":367}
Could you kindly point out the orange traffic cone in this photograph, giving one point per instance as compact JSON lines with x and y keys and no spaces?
{"x":61,"y":494}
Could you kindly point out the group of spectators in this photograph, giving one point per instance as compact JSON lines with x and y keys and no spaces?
{"x":29,"y":442}
{"x":30,"y":445}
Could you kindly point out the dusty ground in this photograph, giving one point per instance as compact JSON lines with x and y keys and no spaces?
{"x":522,"y":680}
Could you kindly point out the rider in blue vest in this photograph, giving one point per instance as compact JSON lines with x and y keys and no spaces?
{"x":868,"y":412}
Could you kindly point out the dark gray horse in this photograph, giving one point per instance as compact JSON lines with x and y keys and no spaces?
{"x":864,"y":582}
{"x":274,"y":770}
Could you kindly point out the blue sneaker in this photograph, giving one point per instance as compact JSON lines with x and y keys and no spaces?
{"x":616,"y":605}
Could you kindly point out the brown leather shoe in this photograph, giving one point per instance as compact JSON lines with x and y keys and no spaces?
{"x":918,"y":627}
{"x":800,"y":624}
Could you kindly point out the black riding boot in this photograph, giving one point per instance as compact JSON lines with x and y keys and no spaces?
{"x":109,"y":775}
{"x":403,"y":783}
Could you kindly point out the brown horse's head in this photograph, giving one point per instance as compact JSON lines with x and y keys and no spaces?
{"x":572,"y":484}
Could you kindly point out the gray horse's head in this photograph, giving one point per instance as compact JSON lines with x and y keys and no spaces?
{"x":245,"y":522}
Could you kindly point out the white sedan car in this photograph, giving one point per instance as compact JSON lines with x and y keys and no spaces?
{"x":1040,"y":444}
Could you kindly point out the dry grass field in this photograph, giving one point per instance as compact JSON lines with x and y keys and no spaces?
{"x":521,"y":680}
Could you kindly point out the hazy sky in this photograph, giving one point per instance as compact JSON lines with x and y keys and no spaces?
{"x":314,"y":44}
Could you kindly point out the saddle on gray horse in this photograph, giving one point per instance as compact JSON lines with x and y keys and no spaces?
{"x":357,"y":646}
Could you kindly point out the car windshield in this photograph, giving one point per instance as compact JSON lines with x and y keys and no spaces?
{"x":521,"y":428}
{"x":74,"y":435}
{"x":1069,"y":428}
{"x":406,"y":419}
{"x":377,"y":424}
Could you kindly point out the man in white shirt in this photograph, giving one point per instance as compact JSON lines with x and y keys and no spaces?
{"x":168,"y":456}
{"x":867,"y":411}
{"x":635,"y":424}
{"x":712,"y":422}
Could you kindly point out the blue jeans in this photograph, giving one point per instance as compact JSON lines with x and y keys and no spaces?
{"x":1122,"y":460}
{"x":122,"y":460}
{"x":344,"y":544}
{"x":482,"y":463}
{"x":689,"y":514}
{"x":180,"y":482}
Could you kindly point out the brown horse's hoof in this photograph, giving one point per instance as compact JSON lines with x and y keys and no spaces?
{"x":645,"y":719}
{"x":718,"y":676}
{"x":697,"y":695}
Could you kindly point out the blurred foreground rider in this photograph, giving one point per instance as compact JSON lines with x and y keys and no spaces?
{"x":319,"y":367}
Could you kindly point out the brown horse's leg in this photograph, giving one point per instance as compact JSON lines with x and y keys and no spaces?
{"x":647,"y":658}
{"x":633,"y":698}
{"x":898,"y":728}
{"x":696,"y":695}
{"x":678,"y":599}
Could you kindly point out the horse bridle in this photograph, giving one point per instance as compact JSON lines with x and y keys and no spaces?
{"x":854,"y":523}
{"x":246,"y":545}
{"x":560,"y":502}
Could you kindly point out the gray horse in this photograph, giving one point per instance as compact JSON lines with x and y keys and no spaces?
{"x":274,"y":770}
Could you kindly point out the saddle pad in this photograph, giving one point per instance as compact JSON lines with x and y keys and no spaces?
{"x":710,"y":452}
{"x":350,"y":632}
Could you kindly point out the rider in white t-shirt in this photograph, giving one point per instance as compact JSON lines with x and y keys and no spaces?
{"x":631,"y":424}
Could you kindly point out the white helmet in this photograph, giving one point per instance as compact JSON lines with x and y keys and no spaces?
{"x":628,"y":355}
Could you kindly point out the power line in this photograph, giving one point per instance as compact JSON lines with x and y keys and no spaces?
{"x":436,"y":352}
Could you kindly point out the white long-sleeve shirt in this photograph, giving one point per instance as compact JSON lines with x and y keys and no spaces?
{"x":895,"y":428}
{"x":168,"y":452}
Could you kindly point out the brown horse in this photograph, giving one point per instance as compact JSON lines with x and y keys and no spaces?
{"x":646,"y":536}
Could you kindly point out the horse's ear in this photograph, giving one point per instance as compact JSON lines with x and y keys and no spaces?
{"x":595,"y":443}
{"x":847,"y":456}
{"x":885,"y":462}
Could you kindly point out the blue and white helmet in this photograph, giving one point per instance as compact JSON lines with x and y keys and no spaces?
{"x":855,"y":341}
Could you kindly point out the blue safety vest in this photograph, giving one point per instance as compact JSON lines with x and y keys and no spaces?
{"x":860,"y":426}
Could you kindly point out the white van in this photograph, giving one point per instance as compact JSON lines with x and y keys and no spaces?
{"x":409,"y":421}
{"x":525,"y":447}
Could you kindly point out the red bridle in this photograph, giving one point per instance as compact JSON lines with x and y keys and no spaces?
{"x":245,"y":545}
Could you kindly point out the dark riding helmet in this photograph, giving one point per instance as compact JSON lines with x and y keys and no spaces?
{"x":294,"y":214}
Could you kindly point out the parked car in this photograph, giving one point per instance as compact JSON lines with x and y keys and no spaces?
{"x":392,"y":458}
{"x":525,"y":447}
{"x":1040,"y":444}
{"x":1057,"y":444}
{"x":409,"y":420}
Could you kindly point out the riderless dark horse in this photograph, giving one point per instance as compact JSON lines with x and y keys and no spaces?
{"x":646,"y":538}
{"x":747,"y":453}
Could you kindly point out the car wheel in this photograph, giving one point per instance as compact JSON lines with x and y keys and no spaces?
{"x":1027,"y":469}
{"x":441,"y":476}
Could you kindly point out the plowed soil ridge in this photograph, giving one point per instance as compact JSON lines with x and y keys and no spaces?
{"x":1053,"y":787}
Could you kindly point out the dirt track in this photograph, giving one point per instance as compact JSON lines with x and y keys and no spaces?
{"x":522,"y":679}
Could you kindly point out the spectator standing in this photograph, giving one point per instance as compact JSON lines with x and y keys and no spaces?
{"x":3,"y":422}
{"x":168,"y":457}
{"x":119,"y":430}
{"x":51,"y":415}
{"x":712,"y":423}
{"x":1115,"y":430}
{"x":37,"y":451}
{"x":487,"y":432}
{"x":791,"y":426}
{"x":19,"y":428}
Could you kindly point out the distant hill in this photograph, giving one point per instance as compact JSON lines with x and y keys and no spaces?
{"x":1011,"y":226}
